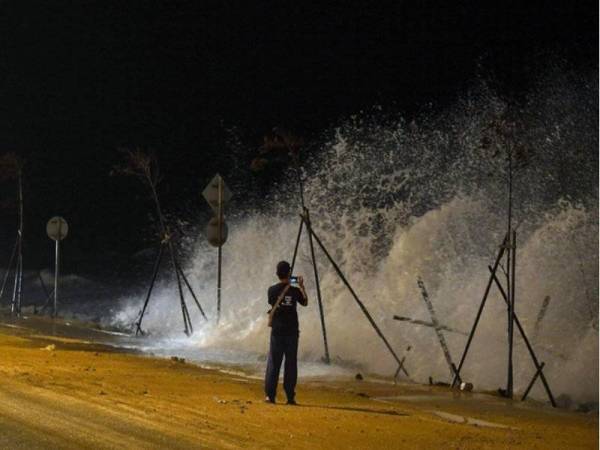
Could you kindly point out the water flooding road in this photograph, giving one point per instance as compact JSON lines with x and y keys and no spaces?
{"x":248,"y":364}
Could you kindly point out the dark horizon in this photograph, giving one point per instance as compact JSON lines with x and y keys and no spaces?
{"x":82,"y":80}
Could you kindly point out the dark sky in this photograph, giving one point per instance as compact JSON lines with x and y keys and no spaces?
{"x":80,"y":79}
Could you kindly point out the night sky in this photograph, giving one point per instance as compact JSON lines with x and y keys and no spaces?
{"x":79,"y":80}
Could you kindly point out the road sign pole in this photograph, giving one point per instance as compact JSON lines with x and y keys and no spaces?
{"x":57,"y":229}
{"x":216,"y":195}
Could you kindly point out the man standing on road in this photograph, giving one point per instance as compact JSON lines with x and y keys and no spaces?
{"x":283,"y":297}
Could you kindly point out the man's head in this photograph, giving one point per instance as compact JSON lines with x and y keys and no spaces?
{"x":283,"y":270}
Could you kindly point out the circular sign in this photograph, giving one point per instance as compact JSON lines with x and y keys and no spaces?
{"x":212,"y":232}
{"x":57,"y":228}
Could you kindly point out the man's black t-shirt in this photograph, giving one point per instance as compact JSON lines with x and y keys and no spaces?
{"x":285,"y":319}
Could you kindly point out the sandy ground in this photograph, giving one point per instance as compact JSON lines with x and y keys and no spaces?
{"x":57,"y":392}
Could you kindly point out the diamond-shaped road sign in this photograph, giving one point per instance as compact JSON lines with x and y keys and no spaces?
{"x":216,"y":192}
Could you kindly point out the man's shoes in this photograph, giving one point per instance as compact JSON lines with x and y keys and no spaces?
{"x":269,"y":400}
{"x":292,"y":402}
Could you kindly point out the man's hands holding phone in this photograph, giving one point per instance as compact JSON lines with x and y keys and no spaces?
{"x":300,"y":282}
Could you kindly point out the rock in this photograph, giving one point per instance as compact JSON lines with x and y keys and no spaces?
{"x":358,"y":377}
{"x":467,"y":387}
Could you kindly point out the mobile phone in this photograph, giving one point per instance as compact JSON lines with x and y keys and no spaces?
{"x":293,"y":280}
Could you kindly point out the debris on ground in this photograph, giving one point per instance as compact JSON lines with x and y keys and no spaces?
{"x":467,"y":387}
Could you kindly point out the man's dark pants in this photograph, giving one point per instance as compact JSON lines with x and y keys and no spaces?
{"x":282,"y":345}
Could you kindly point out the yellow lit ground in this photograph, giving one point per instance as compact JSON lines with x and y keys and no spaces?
{"x":80,"y":395}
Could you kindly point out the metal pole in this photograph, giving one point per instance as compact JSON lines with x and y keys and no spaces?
{"x":316,"y":272}
{"x":56,"y":270}
{"x":20,"y":277}
{"x":219,"y":282}
{"x":524,"y":336}
{"x":219,"y":249}
{"x":481,"y":306}
{"x":20,"y":260}
{"x":511,"y":309}
{"x":360,"y":304}
{"x":13,"y":303}
{"x":509,"y":378}
{"x":509,"y":283}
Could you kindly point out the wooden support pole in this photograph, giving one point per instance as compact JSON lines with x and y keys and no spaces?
{"x":481,"y":306}
{"x":528,"y":345}
{"x":8,"y":268}
{"x":152,"y":281}
{"x":437,"y":327}
{"x":533,"y":380}
{"x":187,"y":283}
{"x":358,"y":301}
{"x":186,"y":319}
{"x":296,"y":246}
{"x":318,"y":286}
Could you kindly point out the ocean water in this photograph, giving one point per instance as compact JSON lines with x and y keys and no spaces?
{"x":393,"y":200}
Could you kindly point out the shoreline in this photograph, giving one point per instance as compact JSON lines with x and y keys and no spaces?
{"x":69,"y":392}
